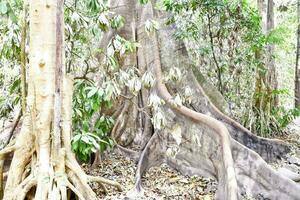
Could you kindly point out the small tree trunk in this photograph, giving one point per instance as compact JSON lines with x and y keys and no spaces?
{"x":261,"y":6}
{"x":272,"y":82}
{"x":23,"y":57}
{"x":297,"y":69}
{"x":266,"y":74}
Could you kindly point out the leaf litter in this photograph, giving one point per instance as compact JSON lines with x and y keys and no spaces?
{"x":159,"y":183}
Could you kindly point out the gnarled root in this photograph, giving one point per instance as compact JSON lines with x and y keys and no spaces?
{"x":28,"y":172}
{"x":200,"y":154}
{"x":73,"y":178}
{"x":269,"y":149}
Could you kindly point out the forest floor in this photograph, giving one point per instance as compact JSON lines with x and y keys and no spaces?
{"x":164,"y":183}
{"x":159,"y":183}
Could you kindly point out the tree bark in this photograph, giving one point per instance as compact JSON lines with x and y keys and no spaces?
{"x":272,"y":81}
{"x":261,"y":6}
{"x":266,"y":74}
{"x":23,"y":57}
{"x":297,"y":69}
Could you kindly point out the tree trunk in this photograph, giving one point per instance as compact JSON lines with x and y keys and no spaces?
{"x":43,"y":163}
{"x":266,"y":73}
{"x":23,"y":58}
{"x":297,"y":70}
{"x":272,"y":81}
{"x":261,"y":6}
{"x":209,"y":142}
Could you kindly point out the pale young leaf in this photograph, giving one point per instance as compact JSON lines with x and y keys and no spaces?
{"x":148,"y":79}
{"x":176,"y":134}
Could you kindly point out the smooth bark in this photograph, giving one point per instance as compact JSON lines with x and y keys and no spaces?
{"x":297,"y":68}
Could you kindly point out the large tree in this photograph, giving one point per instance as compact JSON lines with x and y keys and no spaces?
{"x":43,"y":164}
{"x":194,"y":136}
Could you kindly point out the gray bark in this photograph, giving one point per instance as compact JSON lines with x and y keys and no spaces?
{"x":272,"y":81}
{"x":297,"y":70}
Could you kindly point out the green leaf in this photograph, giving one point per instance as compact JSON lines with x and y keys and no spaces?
{"x":3,"y":8}
{"x":75,"y":146}
{"x":101,"y":92}
{"x":95,"y":105}
{"x":76,"y":138}
{"x":92,"y":92}
{"x":143,"y":1}
{"x":117,"y":22}
{"x":15,"y":86}
{"x":109,"y":104}
{"x":79,"y":113}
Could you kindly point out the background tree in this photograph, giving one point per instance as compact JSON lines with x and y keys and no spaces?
{"x":297,"y":72}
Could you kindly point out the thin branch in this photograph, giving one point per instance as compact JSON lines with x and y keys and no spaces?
{"x":213,"y":53}
{"x":15,"y":124}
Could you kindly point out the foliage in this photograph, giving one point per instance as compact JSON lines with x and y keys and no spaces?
{"x":90,"y":128}
{"x":274,"y":123}
{"x":285,"y":116}
{"x":86,"y":22}
{"x":10,"y":17}
{"x":225,"y":38}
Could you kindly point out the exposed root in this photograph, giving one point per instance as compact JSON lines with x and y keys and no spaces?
{"x":63,"y":171}
{"x":134,"y":155}
{"x":77,"y":192}
{"x":269,"y":149}
{"x":87,"y":178}
{"x":58,"y":187}
{"x":104,"y":188}
{"x":105,"y":181}
{"x":208,"y":148}
{"x":25,"y":187}
{"x":229,"y":187}
{"x":2,"y":159}
{"x":7,"y":150}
